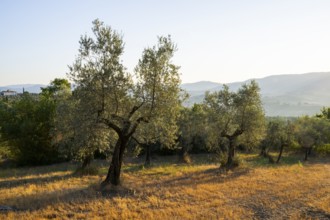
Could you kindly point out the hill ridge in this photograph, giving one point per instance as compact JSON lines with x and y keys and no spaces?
{"x":282,"y":95}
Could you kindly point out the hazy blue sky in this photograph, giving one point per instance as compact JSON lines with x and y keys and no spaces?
{"x":221,"y":41}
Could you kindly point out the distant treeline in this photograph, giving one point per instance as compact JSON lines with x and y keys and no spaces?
{"x":31,"y":131}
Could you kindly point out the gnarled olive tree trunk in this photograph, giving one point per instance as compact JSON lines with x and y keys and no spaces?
{"x":113,"y":176}
{"x":231,"y":153}
{"x":232,"y":146}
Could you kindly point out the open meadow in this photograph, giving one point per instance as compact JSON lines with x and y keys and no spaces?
{"x":170,"y":190}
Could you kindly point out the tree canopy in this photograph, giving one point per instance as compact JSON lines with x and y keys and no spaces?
{"x":237,"y":115}
{"x":119,"y":100}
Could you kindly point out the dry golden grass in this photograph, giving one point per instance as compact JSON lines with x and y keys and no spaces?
{"x":171,"y":191}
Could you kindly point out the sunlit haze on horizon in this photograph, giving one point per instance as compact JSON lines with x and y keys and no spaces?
{"x":219,"y":41}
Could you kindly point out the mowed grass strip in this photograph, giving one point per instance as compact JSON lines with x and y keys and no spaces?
{"x":172,"y":191}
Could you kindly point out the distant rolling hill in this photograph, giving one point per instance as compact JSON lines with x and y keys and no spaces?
{"x":31,"y":88}
{"x":282,"y":95}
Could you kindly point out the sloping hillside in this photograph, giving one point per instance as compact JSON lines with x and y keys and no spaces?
{"x":283,"y":95}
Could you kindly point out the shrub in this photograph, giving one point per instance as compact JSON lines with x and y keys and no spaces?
{"x":26,"y":126}
{"x":222,"y":157}
{"x":324,"y":149}
{"x":90,"y":170}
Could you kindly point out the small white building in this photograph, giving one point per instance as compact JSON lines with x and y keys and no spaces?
{"x":8,"y":93}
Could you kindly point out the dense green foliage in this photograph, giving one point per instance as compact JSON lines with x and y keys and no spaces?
{"x":194,"y":133}
{"x":27,"y":124}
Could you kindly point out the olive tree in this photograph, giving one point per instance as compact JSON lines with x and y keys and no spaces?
{"x":121,"y":101}
{"x":311,"y":133}
{"x":236,"y":116}
{"x":279,"y":134}
{"x":193,"y":130}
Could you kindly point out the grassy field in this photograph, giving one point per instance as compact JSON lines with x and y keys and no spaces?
{"x":168,"y":190}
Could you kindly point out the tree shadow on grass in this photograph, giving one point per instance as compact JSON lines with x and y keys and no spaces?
{"x":213,"y":175}
{"x":7,"y":184}
{"x":79,"y":195}
{"x":70,"y":198}
{"x":261,"y":208}
{"x":314,"y":213}
{"x":36,"y":202}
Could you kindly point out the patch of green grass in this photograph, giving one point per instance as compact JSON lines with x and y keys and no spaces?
{"x":323,"y":150}
{"x":133,"y":167}
{"x":290,"y":159}
{"x":90,"y":170}
{"x":255,"y":160}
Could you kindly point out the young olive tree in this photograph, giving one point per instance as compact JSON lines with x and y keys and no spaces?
{"x":279,"y":134}
{"x":193,"y":130}
{"x":113,"y":98}
{"x":311,"y":132}
{"x":236,"y":116}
